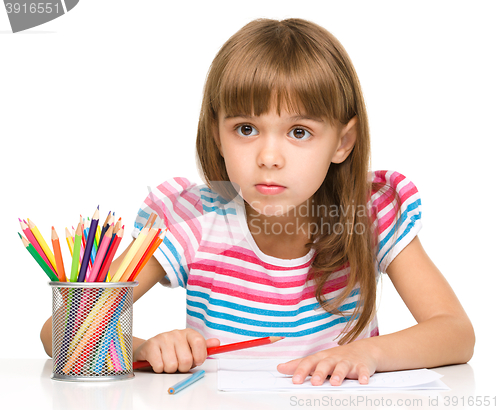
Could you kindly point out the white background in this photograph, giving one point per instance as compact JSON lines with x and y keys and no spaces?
{"x":104,"y":101}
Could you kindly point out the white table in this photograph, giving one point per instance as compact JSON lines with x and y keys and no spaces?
{"x":26,"y":384}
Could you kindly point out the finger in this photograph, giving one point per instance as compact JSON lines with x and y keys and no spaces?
{"x":183,"y":354}
{"x":288,"y":367}
{"x":323,"y":369}
{"x":363,"y":374}
{"x":213,"y":342}
{"x":198,"y":348}
{"x":169,"y":358}
{"x":154,"y":357}
{"x":341,"y":369}
{"x":304,"y":369}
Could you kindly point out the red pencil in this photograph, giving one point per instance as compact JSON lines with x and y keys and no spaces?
{"x":155,"y":243}
{"x":225,"y":348}
{"x":109,"y":257}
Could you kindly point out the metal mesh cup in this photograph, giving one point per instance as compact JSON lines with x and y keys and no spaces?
{"x":92,"y":330}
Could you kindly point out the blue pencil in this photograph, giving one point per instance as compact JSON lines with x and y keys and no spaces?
{"x":186,"y":382}
{"x":88,"y":248}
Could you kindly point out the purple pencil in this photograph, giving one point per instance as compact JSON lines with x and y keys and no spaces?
{"x":88,"y":248}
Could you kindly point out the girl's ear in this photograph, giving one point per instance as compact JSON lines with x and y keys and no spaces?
{"x":348,"y":135}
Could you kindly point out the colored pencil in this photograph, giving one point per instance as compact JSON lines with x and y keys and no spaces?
{"x":98,"y":320}
{"x":76,"y":253}
{"x":69,"y":240}
{"x":42,"y":243}
{"x":105,"y":227}
{"x":88,"y":248}
{"x":153,"y":233}
{"x":130,"y":254}
{"x":101,"y":253}
{"x":61,"y":274}
{"x":147,"y":255}
{"x":226,"y":348}
{"x":243,"y":345}
{"x":186,"y":382}
{"x":109,"y":257}
{"x":31,"y":238}
{"x":31,"y":249}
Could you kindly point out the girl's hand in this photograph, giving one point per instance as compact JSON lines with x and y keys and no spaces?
{"x":175,"y":350}
{"x":352,"y":361}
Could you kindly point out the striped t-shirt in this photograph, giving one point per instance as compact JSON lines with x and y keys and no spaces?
{"x":235,"y":292}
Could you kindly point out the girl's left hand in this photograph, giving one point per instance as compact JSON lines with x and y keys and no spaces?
{"x":352,"y":361}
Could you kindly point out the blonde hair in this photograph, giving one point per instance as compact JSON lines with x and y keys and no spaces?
{"x":299,"y":66}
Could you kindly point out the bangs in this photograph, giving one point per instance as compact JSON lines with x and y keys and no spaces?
{"x":281,"y":69}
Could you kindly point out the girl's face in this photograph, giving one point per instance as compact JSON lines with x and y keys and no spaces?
{"x":279,"y":162}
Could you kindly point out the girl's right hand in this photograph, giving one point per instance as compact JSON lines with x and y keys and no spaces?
{"x":177,"y":350}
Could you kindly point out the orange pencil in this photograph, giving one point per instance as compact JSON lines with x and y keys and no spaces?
{"x":147,"y":255}
{"x":58,"y":256}
{"x":152,"y":234}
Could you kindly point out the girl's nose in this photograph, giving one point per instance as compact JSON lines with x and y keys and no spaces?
{"x":270,"y":155}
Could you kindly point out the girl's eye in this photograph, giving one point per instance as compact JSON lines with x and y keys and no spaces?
{"x":246,"y":130}
{"x":300,"y":134}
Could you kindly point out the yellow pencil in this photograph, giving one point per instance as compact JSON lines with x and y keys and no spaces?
{"x":130,"y":254}
{"x":138,"y":255}
{"x":43,"y":244}
{"x":122,"y":345}
{"x":109,"y":362}
{"x":69,"y":239}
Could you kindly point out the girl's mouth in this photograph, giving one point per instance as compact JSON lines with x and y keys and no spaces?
{"x":266,"y":189}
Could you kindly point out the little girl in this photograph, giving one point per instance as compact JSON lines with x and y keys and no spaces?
{"x":291,"y":231}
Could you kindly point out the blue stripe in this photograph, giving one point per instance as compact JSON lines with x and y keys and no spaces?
{"x":261,"y":323}
{"x":218,"y":198}
{"x":218,"y":210}
{"x":400,"y":221}
{"x":141,"y":214}
{"x":257,"y":311}
{"x":252,"y":333}
{"x":409,"y":227}
{"x":178,"y":272}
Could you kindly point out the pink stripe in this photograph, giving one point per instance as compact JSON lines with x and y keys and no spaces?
{"x":262,"y":296}
{"x":249,"y":275}
{"x":386,"y":197}
{"x":241,"y":254}
{"x":184,"y":213}
{"x":190,"y":197}
{"x":179,"y":234}
{"x":386,"y":221}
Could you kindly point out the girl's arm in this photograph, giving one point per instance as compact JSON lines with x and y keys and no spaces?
{"x":444,"y":334}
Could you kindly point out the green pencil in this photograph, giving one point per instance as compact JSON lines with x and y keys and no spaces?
{"x":76,"y":254}
{"x":31,"y":249}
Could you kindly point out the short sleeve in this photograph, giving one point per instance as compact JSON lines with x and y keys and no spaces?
{"x":395,"y":227}
{"x":177,"y":202}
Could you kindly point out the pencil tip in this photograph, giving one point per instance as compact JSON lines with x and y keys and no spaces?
{"x":20,"y":235}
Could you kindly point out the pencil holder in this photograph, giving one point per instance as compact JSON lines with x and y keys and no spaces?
{"x":92,"y":330}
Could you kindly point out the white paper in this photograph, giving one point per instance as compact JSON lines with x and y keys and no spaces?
{"x":247,"y":375}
